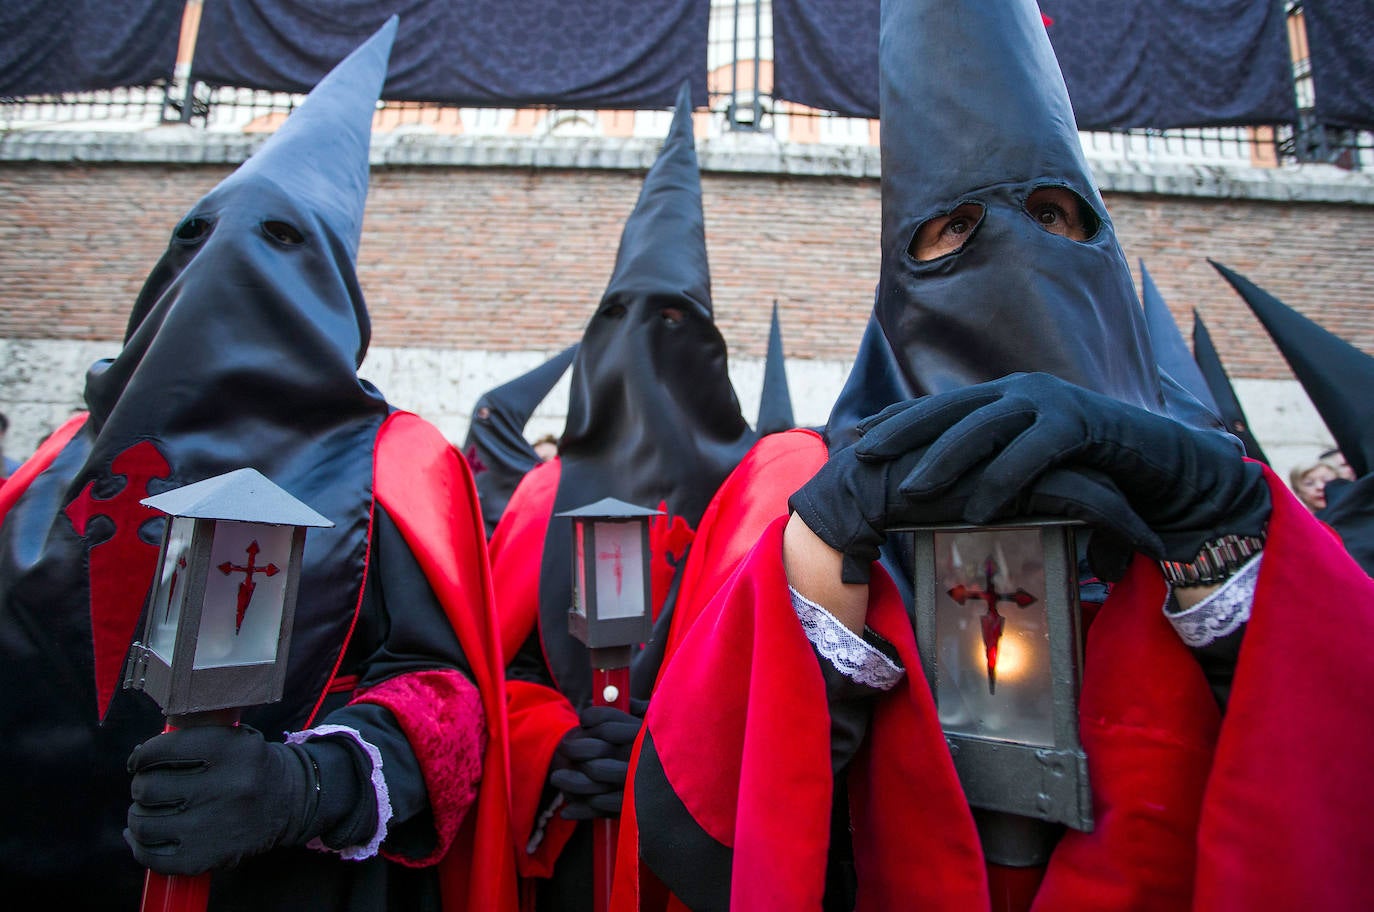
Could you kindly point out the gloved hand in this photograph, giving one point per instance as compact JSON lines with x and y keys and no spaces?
{"x":1032,"y":443}
{"x":850,"y":503}
{"x":207,"y":797}
{"x":592,"y":761}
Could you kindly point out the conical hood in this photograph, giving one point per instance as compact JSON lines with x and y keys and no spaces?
{"x":496,"y":446}
{"x":1170,"y":349}
{"x":321,"y":150}
{"x":663,"y":245}
{"x":775,"y":402}
{"x":1336,"y":375}
{"x":1228,"y":404}
{"x":653,"y":419}
{"x":976,"y":121}
{"x":241,"y":351}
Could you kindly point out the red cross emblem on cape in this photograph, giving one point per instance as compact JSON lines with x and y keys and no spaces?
{"x":121,"y":567}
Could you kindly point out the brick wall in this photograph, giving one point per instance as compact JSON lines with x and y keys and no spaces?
{"x":515,"y":259}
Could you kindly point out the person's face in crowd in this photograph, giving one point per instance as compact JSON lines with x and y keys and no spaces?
{"x":1336,"y":459}
{"x":546,"y":450}
{"x":1311,"y":488}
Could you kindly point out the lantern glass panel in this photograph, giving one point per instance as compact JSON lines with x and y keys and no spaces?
{"x":579,"y":596}
{"x":619,"y":570}
{"x":172,"y":584}
{"x":245,"y":590}
{"x":983,"y":577}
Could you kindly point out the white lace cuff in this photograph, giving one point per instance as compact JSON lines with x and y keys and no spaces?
{"x":851,"y":655}
{"x":1222,"y":612}
{"x":379,"y":790}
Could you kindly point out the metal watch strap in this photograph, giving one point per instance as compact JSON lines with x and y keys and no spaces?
{"x":1217,"y":562}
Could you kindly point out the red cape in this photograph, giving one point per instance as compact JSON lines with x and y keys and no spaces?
{"x":1266,"y":809}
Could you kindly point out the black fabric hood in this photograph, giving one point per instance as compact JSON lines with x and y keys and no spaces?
{"x":653,"y":419}
{"x":1169,"y":347}
{"x":1336,"y":375}
{"x":974,"y":110}
{"x":496,"y":447}
{"x":1223,"y":394}
{"x":775,"y":401}
{"x":242,"y":350}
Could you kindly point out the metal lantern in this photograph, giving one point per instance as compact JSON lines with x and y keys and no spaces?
{"x":612,"y":598}
{"x":218,"y":621}
{"x":999,"y":630}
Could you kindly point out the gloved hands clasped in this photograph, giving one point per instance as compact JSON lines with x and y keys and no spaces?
{"x":591,"y":762}
{"x":207,"y":797}
{"x":1034,"y":445}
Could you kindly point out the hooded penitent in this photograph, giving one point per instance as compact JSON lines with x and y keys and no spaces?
{"x":974,"y":111}
{"x":775,"y":402}
{"x":496,"y":447}
{"x":1223,"y":394}
{"x":242,"y":350}
{"x":652,"y":417}
{"x":1336,"y":375}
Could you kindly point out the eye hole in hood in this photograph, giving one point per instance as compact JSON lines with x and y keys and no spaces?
{"x":193,"y":230}
{"x":1061,"y":211}
{"x":283,"y":233}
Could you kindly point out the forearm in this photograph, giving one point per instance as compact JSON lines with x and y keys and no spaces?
{"x":813,"y":570}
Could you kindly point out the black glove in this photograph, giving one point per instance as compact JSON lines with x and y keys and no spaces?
{"x":207,"y":797}
{"x":850,"y":503}
{"x":1037,"y":444}
{"x":592,"y":760}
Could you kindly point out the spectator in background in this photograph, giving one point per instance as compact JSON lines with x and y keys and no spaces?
{"x":1308,"y":481}
{"x":546,"y":447}
{"x":7,"y":465}
{"x":1336,"y":459}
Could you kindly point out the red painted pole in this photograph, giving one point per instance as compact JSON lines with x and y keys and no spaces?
{"x":1013,"y":889}
{"x":181,"y":892}
{"x":610,"y":687}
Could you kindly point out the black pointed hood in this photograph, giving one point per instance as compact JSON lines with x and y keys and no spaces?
{"x":875,"y":381}
{"x":1228,"y":404}
{"x":775,"y":402}
{"x":241,"y":351}
{"x":1336,"y":375}
{"x":974,"y":111}
{"x":1170,"y":349}
{"x":496,"y":446}
{"x":653,"y":419}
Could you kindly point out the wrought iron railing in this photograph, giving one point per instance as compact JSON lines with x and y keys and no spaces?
{"x":740,"y":79}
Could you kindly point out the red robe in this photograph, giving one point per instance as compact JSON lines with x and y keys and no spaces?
{"x":427,"y":489}
{"x":1268,"y":808}
{"x":540,"y":716}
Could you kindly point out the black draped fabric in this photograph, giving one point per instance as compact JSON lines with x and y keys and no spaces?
{"x":1130,"y":63}
{"x":49,"y":46}
{"x":1340,"y":38}
{"x":573,"y":53}
{"x":825,"y":54}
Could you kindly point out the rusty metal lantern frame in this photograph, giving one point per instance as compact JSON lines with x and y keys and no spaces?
{"x":1043,"y":782}
{"x":195,"y":513}
{"x":586,"y":620}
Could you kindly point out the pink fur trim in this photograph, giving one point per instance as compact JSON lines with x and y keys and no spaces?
{"x":440,"y":712}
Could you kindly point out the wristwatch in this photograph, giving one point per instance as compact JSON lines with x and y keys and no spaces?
{"x":1217,"y":562}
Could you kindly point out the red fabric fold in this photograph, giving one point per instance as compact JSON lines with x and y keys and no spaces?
{"x":426,"y":487}
{"x":539,"y":718}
